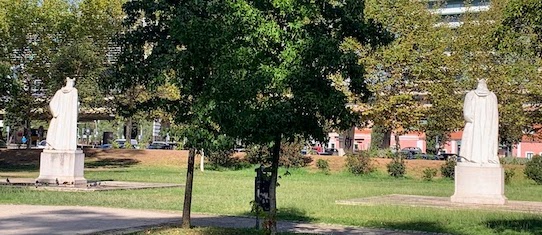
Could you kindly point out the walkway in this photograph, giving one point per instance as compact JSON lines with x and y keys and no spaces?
{"x":35,"y":219}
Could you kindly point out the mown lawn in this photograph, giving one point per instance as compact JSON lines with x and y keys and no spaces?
{"x":303,"y":195}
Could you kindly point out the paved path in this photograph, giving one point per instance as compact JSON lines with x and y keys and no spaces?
{"x":35,"y":219}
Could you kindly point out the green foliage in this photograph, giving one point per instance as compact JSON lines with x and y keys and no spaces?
{"x":513,"y":160}
{"x":220,"y":154}
{"x":378,"y":133}
{"x":290,"y":155}
{"x":323,"y":165}
{"x":397,"y":167}
{"x":533,"y":169}
{"x":382,"y":153}
{"x":508,"y":175}
{"x":447,"y":169}
{"x":115,"y":145}
{"x":359,"y":163}
{"x":429,"y":173}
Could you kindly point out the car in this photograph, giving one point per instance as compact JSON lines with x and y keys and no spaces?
{"x":158,"y":145}
{"x":445,"y":156}
{"x":411,"y":152}
{"x":42,"y":144}
{"x":121,"y":143}
{"x":105,"y":146}
{"x":328,"y":152}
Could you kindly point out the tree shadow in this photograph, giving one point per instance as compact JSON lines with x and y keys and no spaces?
{"x":425,"y":226}
{"x":530,"y":226}
{"x":288,"y":213}
{"x":111,"y":163}
{"x":293,"y":214}
{"x":11,"y":167}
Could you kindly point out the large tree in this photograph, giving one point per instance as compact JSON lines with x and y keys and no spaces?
{"x":520,"y":35}
{"x":513,"y":75}
{"x":257,"y":71}
{"x":412,"y":89}
{"x":42,"y":42}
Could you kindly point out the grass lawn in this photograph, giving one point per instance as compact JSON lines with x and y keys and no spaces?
{"x":305,"y":195}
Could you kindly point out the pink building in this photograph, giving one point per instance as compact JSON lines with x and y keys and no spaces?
{"x":529,"y":146}
{"x":362,"y":140}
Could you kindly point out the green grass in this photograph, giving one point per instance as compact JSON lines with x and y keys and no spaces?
{"x":171,"y":230}
{"x":302,"y":195}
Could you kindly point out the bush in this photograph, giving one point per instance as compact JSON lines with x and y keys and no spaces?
{"x":382,"y":153}
{"x":396,"y":167}
{"x":429,"y":173}
{"x":533,"y":169}
{"x":513,"y":161}
{"x":359,"y":163}
{"x":290,"y":154}
{"x":448,"y":169}
{"x":220,"y":154}
{"x":508,"y":175}
{"x":323,"y":165}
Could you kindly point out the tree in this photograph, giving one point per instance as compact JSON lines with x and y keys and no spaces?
{"x":255,"y":71}
{"x":31,"y":33}
{"x":45,"y":41}
{"x":520,"y":38}
{"x":511,"y":74}
{"x":404,"y":76}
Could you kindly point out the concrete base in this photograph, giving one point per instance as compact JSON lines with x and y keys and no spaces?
{"x":64,"y":167}
{"x":479,"y":184}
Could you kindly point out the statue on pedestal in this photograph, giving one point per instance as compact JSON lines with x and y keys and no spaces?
{"x":479,"y":143}
{"x":62,"y":133}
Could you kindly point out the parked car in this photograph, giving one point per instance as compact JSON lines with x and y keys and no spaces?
{"x":445,"y":156}
{"x":122,"y":142}
{"x":42,"y":144}
{"x":158,"y":145}
{"x":105,"y":146}
{"x":328,"y":152}
{"x":411,"y":152}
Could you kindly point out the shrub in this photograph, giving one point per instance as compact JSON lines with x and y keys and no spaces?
{"x":290,"y":154}
{"x":508,"y":175}
{"x":429,"y":173}
{"x":359,"y":163}
{"x":513,"y":161}
{"x":396,"y":167}
{"x":533,"y":169}
{"x":220,"y":154}
{"x":323,"y":165}
{"x":448,"y":169}
{"x":382,"y":153}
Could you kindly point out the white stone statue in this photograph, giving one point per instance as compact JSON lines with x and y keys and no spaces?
{"x":62,"y":132}
{"x":479,"y":143}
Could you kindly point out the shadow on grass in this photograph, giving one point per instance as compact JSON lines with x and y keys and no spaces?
{"x":429,"y":227}
{"x":11,"y":167}
{"x":528,"y":226}
{"x":289,"y":213}
{"x":111,"y":163}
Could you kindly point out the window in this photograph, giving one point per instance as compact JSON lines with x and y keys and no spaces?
{"x":332,"y":146}
{"x":356,"y":146}
{"x":529,"y":155}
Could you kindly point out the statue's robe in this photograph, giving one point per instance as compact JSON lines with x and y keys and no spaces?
{"x":479,"y":142}
{"x":62,"y":132}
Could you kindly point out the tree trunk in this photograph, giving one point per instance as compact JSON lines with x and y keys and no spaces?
{"x":28,"y":135}
{"x":128,"y":131}
{"x":386,"y":139}
{"x":271,"y":220}
{"x":188,"y":188}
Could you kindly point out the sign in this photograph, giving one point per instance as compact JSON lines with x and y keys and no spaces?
{"x":261,"y":189}
{"x":346,"y":141}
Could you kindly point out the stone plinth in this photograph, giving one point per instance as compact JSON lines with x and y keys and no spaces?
{"x":65,"y":166}
{"x":479,"y":184}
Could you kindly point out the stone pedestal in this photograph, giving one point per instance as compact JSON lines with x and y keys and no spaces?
{"x":479,"y":184}
{"x":65,"y":166}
